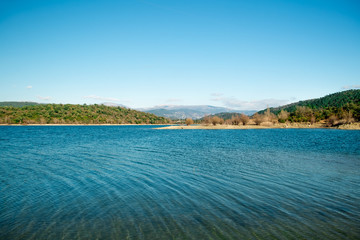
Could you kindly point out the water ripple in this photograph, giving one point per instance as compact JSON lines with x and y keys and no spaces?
{"x":140,"y":183}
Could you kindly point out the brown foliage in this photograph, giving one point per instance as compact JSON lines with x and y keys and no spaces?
{"x":215,"y":120}
{"x":269,"y":116}
{"x":235,"y":120}
{"x":283,"y":115}
{"x":332,"y":121}
{"x":207,"y":120}
{"x":189,"y":121}
{"x":221,"y":121}
{"x":347,"y":116}
{"x":244,"y":119}
{"x":258,"y":119}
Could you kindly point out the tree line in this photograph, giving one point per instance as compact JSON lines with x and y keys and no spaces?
{"x":76,"y":114}
{"x":330,"y":116}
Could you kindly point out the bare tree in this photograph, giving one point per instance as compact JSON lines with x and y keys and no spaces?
{"x":332,"y":121}
{"x":258,"y":119}
{"x":244,"y":119}
{"x":269,"y":116}
{"x":215,"y":120}
{"x":235,"y":120}
{"x":189,"y":121}
{"x":347,"y":116}
{"x":221,"y":121}
{"x":207,"y":120}
{"x":283,"y":116}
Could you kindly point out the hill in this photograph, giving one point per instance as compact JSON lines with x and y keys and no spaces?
{"x":17,"y":104}
{"x":335,"y":100}
{"x":342,"y":105}
{"x":76,"y":114}
{"x":183,"y":112}
{"x":229,"y":115}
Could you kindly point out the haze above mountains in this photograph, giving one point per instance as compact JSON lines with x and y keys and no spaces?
{"x":349,"y":99}
{"x":184,"y":111}
{"x":194,"y":111}
{"x":169,"y":111}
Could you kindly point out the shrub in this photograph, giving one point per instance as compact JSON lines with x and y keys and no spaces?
{"x":207,"y":120}
{"x":332,"y":121}
{"x":283,"y":116}
{"x":244,"y":119}
{"x":215,"y":120}
{"x":235,"y":120}
{"x":189,"y":121}
{"x":347,"y":116}
{"x":221,"y":121}
{"x":258,"y":119}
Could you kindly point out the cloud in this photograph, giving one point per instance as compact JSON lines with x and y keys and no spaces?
{"x":232,"y":102}
{"x":351,"y":86}
{"x":102,"y":98}
{"x":44,"y":98}
{"x":29,"y":87}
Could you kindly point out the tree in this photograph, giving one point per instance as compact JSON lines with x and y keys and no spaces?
{"x":283,"y":116}
{"x":221,"y":121}
{"x":215,"y":120}
{"x":244,"y":119}
{"x":269,"y":116}
{"x":347,"y":116}
{"x":303,"y":114}
{"x":207,"y":120}
{"x":258,"y":119}
{"x":332,"y":121}
{"x":235,"y":120}
{"x":189,"y":121}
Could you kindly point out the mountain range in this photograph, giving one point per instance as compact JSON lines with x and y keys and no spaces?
{"x":192,"y":111}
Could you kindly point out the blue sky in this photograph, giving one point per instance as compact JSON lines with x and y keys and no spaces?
{"x":243,"y":54}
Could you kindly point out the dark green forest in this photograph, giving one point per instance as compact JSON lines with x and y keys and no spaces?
{"x":17,"y":104}
{"x":75,"y":114}
{"x":339,"y":105}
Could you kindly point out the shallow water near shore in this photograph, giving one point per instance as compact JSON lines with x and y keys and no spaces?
{"x":136,"y":182}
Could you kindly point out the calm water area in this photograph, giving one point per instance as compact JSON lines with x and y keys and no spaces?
{"x":136,"y":182}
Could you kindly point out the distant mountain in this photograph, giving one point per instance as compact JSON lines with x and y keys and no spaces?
{"x":229,"y":115}
{"x":111,"y":104}
{"x":194,"y":111}
{"x":335,"y":100}
{"x":17,"y":104}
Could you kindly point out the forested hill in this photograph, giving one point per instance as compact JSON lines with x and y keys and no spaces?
{"x":349,"y":99}
{"x":76,"y":114}
{"x":229,"y":115}
{"x":17,"y":104}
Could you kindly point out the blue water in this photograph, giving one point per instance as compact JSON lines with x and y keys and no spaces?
{"x":136,"y":182}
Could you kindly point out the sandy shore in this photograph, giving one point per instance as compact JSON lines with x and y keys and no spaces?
{"x":354,"y":126}
{"x":82,"y":124}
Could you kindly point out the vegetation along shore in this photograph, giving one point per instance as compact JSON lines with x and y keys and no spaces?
{"x":339,"y":110}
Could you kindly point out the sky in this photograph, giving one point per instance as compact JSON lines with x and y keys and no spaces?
{"x":240,"y":54}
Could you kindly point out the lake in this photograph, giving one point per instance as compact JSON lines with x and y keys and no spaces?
{"x":136,"y":182}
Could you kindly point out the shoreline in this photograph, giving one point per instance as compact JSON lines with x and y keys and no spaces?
{"x":80,"y":124}
{"x":354,"y":126}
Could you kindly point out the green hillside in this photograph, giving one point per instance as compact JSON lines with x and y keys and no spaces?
{"x":17,"y":104}
{"x":223,"y":115}
{"x":336,"y":104}
{"x":76,"y":114}
{"x":229,"y":115}
{"x":337,"y":100}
